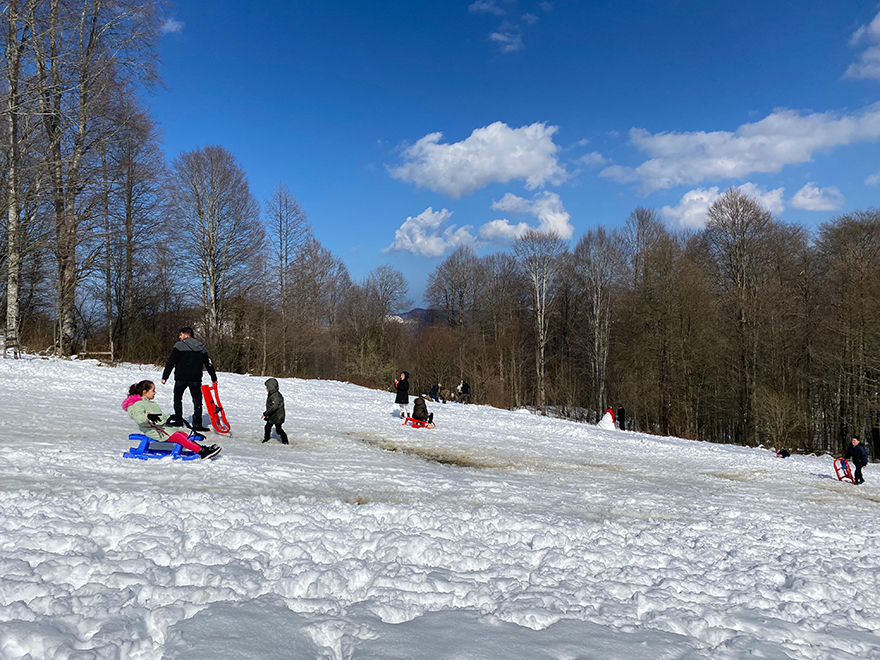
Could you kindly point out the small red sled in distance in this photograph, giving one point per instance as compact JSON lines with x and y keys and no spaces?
{"x":417,"y":423}
{"x":215,"y":410}
{"x":841,"y":467}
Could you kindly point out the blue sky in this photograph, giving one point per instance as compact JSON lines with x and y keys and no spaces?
{"x":407,"y":129}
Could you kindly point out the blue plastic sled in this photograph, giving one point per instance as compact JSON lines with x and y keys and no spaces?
{"x":145,"y":451}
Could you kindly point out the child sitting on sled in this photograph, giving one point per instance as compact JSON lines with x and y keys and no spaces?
{"x":420,"y":411}
{"x":152,"y":423}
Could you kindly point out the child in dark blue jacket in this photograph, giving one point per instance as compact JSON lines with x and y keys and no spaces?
{"x":859,"y":455}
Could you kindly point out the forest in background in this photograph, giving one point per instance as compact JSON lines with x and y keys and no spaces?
{"x":748,"y":331}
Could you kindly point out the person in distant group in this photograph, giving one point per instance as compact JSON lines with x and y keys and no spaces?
{"x":274,"y":413}
{"x":434,"y":394}
{"x":420,"y":411}
{"x":152,"y":423}
{"x":188,"y":357}
{"x":859,"y":455}
{"x":464,"y":391}
{"x":401,"y":385}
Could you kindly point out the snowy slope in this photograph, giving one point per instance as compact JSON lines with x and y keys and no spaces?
{"x":496,"y":535}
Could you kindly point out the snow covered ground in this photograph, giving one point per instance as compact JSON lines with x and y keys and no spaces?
{"x":496,"y":535}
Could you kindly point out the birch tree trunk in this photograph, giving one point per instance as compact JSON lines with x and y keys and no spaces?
{"x":538,"y":255}
{"x":16,"y":42}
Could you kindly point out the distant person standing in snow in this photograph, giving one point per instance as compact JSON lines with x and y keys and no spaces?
{"x":152,"y":423}
{"x":187,"y":359}
{"x":859,"y":455}
{"x":402,"y":387}
{"x":274,"y":412}
{"x":464,"y":391}
{"x":434,"y":394}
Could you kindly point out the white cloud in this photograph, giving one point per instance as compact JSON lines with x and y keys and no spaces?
{"x":546,"y":207}
{"x":510,"y":203}
{"x":812,"y":198}
{"x":769,"y":199}
{"x":501,"y":231}
{"x":172,"y":26}
{"x":782,"y":138}
{"x":531,"y":19}
{"x":494,"y":153}
{"x":868,"y":65}
{"x":593,"y":159}
{"x":690,"y":212}
{"x":429,"y":234}
{"x":873,"y":180}
{"x":508,"y":37}
{"x":546,"y":6}
{"x":423,"y":235}
{"x":486,"y":7}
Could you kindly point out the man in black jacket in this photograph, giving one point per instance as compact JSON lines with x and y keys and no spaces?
{"x":859,"y":455}
{"x":187,"y":359}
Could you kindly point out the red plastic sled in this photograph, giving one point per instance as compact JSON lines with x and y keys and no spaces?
{"x":215,"y":410}
{"x":841,"y":467}
{"x":417,"y":423}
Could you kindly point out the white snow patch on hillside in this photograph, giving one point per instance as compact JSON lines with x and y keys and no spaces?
{"x":495,"y":535}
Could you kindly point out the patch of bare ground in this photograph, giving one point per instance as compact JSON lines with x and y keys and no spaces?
{"x":437,"y":455}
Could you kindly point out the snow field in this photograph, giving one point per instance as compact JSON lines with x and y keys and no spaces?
{"x":495,"y":535}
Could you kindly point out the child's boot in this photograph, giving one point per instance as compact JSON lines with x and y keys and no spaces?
{"x":209,"y":452}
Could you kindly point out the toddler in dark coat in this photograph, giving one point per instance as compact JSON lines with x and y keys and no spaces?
{"x":274,"y":412}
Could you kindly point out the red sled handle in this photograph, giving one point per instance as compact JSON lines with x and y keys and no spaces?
{"x":215,"y":410}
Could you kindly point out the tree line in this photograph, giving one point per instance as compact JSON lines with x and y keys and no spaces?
{"x":748,"y":331}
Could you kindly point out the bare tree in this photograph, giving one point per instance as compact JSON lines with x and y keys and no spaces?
{"x":848,"y":353}
{"x":499,"y":305}
{"x":388,"y":289}
{"x":218,"y":228}
{"x":539,"y":258}
{"x":80,"y":50}
{"x":370,"y":324}
{"x":452,"y":285}
{"x":133,"y":170}
{"x":289,"y":229}
{"x":643,"y":230}
{"x":318,"y":282}
{"x":737,"y":236}
{"x":597,"y":263}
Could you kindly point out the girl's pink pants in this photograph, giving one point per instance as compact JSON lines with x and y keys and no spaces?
{"x":183,"y":440}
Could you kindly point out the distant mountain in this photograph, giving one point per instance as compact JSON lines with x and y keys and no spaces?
{"x":421,"y":317}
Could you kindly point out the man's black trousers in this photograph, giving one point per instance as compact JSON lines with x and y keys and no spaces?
{"x":195,"y":390}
